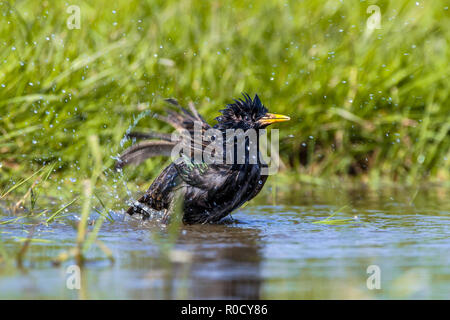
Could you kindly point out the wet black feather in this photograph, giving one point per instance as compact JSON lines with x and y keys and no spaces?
{"x":210,"y":191}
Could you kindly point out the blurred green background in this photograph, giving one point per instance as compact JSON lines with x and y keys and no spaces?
{"x":370,"y":105}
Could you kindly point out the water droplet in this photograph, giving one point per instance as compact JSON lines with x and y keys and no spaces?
{"x":421,"y":159}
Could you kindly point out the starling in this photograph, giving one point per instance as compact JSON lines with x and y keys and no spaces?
{"x":208,"y":191}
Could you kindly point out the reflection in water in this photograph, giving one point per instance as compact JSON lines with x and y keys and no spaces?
{"x":205,"y":262}
{"x":226,"y":262}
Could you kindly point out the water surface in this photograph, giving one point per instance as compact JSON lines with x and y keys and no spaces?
{"x":272,"y":249}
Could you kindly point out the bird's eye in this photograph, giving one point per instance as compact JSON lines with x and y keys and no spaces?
{"x":246,"y":118}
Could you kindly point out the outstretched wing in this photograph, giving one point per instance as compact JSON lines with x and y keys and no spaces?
{"x":161,"y":143}
{"x":141,"y":151}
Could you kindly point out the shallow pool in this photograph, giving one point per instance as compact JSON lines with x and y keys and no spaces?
{"x":393,"y":243}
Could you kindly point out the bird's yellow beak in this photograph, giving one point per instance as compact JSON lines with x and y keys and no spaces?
{"x":270,"y":118}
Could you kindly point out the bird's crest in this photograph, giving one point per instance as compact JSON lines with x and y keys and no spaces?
{"x":242,"y":110}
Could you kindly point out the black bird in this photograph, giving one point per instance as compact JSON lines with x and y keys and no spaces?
{"x":208,"y":191}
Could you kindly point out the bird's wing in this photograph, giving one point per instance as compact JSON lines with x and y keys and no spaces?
{"x":159,"y":194}
{"x":183,"y":121}
{"x":149,"y":135}
{"x":141,"y":151}
{"x":202,"y":175}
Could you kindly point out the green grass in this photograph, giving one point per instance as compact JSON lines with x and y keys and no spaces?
{"x":371,"y":105}
{"x":30,"y":217}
